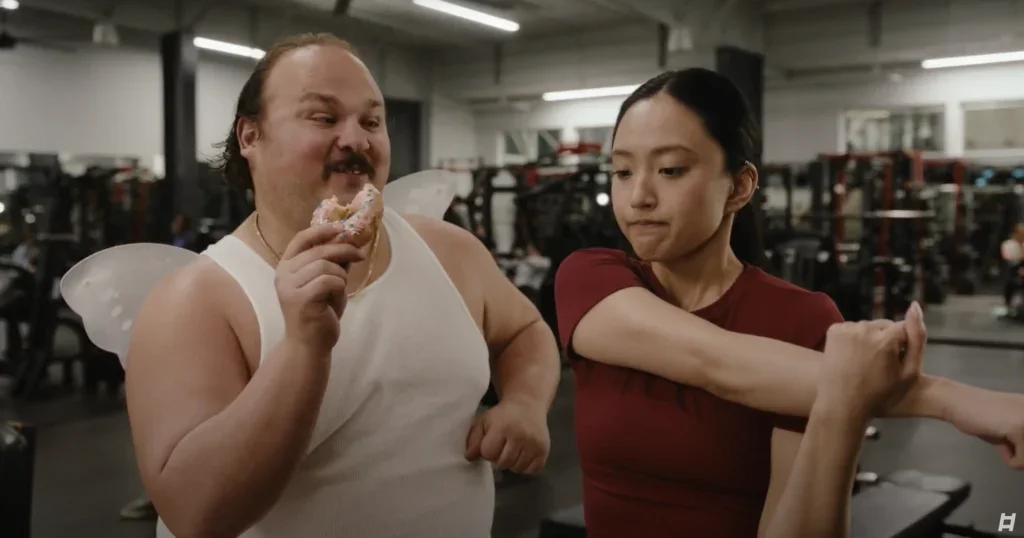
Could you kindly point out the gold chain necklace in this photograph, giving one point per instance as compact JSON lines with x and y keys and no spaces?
{"x":277,"y":257}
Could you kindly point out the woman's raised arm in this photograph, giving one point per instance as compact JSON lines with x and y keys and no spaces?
{"x":606,"y":314}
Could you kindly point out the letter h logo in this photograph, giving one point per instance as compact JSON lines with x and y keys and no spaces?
{"x":1006,"y":522}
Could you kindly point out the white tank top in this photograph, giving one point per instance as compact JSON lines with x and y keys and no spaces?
{"x":386,"y":459}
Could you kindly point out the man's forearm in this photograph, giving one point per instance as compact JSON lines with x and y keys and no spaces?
{"x":224,"y":475}
{"x":529,"y":367}
{"x":816,"y":501}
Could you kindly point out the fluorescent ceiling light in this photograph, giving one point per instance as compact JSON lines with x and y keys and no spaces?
{"x":978,"y":59}
{"x":478,"y":17}
{"x":227,"y":48}
{"x":613,"y":91}
{"x":9,"y":4}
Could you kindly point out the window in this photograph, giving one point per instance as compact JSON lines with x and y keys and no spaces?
{"x":908,"y":129}
{"x":994,"y":125}
{"x":527,"y":145}
{"x":548,"y":141}
{"x":597,"y":135}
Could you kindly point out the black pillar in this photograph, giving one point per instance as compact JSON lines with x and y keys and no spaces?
{"x":746,"y":70}
{"x":181,"y":192}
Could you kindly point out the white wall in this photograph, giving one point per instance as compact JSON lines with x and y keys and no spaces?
{"x":452,"y":138}
{"x":110,"y":102}
{"x":800,"y":122}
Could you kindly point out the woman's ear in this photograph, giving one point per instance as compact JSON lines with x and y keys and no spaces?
{"x":744,"y":183}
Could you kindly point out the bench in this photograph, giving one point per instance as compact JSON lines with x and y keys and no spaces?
{"x":905,"y":504}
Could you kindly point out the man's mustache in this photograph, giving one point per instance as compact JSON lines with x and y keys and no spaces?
{"x":350,"y":162}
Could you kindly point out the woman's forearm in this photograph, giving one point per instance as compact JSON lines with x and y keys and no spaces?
{"x":816,"y":501}
{"x":782,"y":378}
{"x":633,"y":328}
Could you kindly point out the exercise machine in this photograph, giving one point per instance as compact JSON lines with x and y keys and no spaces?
{"x":17,"y":467}
{"x":996,"y":197}
{"x":877,"y":227}
{"x":952,"y":200}
{"x":51,"y":204}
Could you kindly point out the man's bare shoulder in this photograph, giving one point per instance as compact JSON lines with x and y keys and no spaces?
{"x":449,"y":241}
{"x":196,"y":310}
{"x":200,"y":290}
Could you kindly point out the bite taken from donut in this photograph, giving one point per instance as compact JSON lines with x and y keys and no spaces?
{"x":359,"y":218}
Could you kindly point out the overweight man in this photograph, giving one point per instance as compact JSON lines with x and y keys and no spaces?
{"x":287,"y":385}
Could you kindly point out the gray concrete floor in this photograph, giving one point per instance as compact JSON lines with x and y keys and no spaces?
{"x":86,"y":469}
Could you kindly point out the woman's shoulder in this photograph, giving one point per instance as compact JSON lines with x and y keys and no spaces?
{"x":813,"y":312}
{"x":790,"y":294}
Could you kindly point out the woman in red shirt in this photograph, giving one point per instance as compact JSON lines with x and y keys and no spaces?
{"x":693,"y":365}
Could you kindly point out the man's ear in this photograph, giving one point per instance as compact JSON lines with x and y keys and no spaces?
{"x":248,"y":133}
{"x":744,"y":184}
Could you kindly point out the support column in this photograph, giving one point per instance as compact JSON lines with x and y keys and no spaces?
{"x":179,"y":57}
{"x":746,"y":70}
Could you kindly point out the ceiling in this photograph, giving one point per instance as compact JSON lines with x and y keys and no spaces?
{"x":399,"y":22}
{"x":260,"y":22}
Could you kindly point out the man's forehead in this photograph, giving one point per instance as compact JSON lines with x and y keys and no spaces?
{"x":322,"y":72}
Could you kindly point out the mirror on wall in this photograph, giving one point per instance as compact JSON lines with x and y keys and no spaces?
{"x":906,"y":129}
{"x":994,"y":125}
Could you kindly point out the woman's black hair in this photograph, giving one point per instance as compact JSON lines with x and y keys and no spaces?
{"x":729,"y":120}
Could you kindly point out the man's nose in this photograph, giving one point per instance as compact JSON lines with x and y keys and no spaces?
{"x":353,"y":137}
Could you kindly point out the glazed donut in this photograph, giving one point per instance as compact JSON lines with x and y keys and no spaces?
{"x":360,"y":218}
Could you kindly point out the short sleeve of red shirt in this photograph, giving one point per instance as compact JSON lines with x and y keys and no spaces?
{"x":814,"y":316}
{"x":585,"y":278}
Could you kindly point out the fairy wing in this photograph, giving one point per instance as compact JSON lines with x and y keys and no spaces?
{"x":428,"y":193}
{"x":108,"y":288}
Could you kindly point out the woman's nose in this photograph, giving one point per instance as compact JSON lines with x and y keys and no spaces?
{"x":642,"y":196}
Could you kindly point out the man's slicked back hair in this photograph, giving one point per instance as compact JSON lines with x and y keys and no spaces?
{"x":230,"y":163}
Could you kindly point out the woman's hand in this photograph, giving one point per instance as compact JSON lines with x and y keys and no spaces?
{"x":870,"y":365}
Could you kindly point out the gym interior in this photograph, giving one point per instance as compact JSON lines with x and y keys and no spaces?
{"x":892,"y":171}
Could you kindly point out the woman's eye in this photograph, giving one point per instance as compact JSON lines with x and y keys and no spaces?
{"x":324,"y":118}
{"x":621,"y":174}
{"x":673,"y":171}
{"x":372,"y":123}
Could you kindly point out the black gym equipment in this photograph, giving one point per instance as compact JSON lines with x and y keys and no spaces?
{"x":17,"y":470}
{"x":954,"y":256}
{"x":876,"y":241}
{"x":866,"y":253}
{"x":50,"y":204}
{"x":996,"y":197}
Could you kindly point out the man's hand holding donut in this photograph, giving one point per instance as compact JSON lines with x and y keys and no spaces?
{"x":310,"y":281}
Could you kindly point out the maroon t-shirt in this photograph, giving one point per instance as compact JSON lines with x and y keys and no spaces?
{"x":661,"y":459}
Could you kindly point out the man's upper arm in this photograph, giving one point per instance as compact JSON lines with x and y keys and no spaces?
{"x":184,"y":365}
{"x":506,"y":310}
